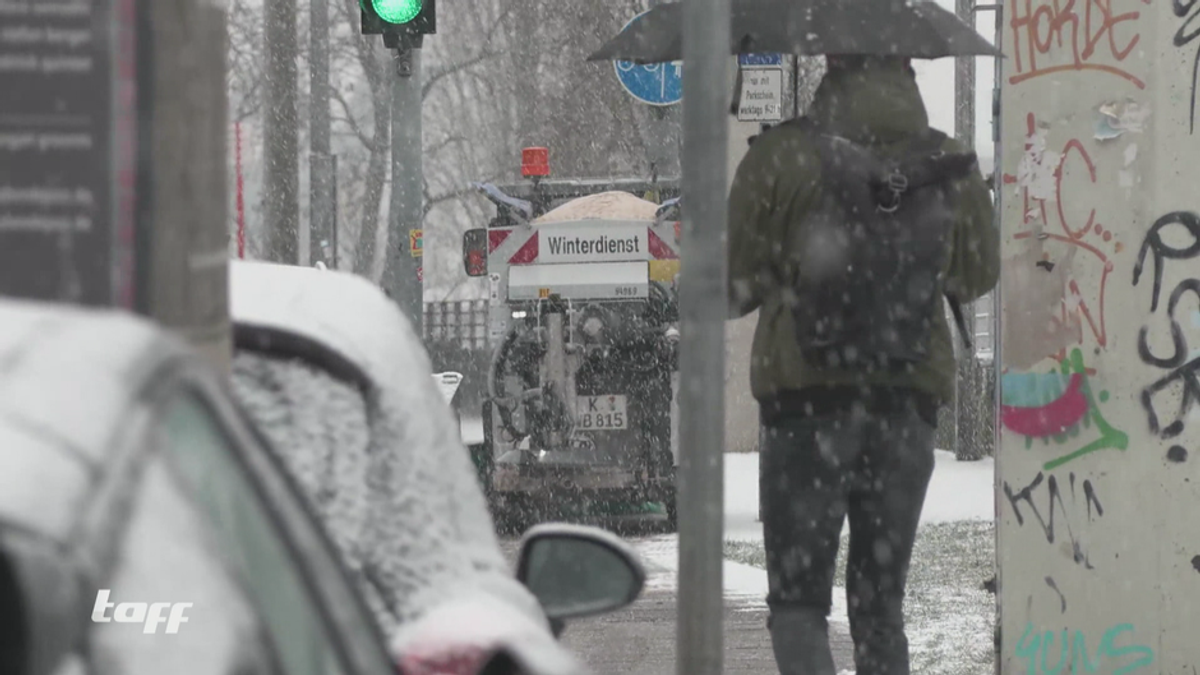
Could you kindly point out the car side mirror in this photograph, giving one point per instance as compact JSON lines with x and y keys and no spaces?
{"x":576,"y":570}
{"x":475,"y":252}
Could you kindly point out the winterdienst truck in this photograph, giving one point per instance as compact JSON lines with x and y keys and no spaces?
{"x":583,"y":322}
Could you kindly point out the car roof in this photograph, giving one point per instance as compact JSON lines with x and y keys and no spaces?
{"x":341,"y":311}
{"x":67,"y":377}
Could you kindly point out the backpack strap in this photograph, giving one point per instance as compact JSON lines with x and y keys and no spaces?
{"x":923,"y":165}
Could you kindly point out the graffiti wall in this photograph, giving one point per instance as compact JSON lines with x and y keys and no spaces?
{"x":1098,"y":481}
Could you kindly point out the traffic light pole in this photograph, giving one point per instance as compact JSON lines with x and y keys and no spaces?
{"x":322,"y":176}
{"x":401,"y":277}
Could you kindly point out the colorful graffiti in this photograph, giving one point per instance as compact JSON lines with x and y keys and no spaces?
{"x":1053,"y":37}
{"x":1040,"y":177}
{"x":1037,"y":649}
{"x":1184,"y":367}
{"x":1058,"y":407}
{"x":1184,"y":38}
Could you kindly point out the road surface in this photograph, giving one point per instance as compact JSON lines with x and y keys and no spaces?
{"x":641,"y":638}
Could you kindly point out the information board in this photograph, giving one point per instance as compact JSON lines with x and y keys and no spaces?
{"x":68,"y":148}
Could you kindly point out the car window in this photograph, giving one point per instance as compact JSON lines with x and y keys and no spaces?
{"x":320,"y":427}
{"x":167,"y":555}
{"x":394,"y":485}
{"x":247,"y":532}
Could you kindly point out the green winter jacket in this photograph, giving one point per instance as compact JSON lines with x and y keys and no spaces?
{"x":780,"y":179}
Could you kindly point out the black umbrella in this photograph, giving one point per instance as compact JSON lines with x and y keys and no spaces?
{"x":918,"y":29}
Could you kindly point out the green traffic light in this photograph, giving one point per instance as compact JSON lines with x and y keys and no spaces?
{"x":397,"y":11}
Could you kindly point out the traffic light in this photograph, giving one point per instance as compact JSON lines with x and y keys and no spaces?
{"x":399,"y":20}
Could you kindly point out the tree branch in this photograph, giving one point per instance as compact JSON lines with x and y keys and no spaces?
{"x":355,"y":129}
{"x":454,"y":68}
{"x":444,"y":143}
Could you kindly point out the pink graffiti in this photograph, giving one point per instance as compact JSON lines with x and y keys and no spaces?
{"x":1093,"y":314}
{"x":1051,"y":419}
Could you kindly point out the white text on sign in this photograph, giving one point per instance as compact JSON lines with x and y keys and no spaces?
{"x":151,"y":615}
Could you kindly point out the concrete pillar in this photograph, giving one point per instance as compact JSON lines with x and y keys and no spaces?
{"x":1098,"y":478}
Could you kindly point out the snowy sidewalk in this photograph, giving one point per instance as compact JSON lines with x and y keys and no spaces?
{"x":958,"y":491}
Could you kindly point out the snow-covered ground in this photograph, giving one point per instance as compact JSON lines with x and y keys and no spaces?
{"x":949,"y":626}
{"x":957,"y":491}
{"x":946,"y":626}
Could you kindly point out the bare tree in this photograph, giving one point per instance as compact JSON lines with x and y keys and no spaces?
{"x":500,"y":75}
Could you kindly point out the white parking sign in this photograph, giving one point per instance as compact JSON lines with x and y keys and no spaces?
{"x":762,"y":95}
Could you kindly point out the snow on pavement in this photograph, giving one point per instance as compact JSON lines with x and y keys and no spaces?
{"x":957,"y":491}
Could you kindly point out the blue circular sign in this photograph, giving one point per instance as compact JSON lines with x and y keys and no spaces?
{"x":653,"y":83}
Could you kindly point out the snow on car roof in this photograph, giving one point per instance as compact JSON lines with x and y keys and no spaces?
{"x":614,"y":205}
{"x":67,"y":377}
{"x":429,"y":522}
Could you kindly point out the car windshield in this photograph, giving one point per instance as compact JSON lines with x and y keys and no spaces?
{"x":411,"y":530}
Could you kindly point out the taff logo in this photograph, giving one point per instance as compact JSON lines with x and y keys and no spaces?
{"x":140,"y":612}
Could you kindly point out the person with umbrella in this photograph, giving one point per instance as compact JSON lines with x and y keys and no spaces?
{"x":846,"y":229}
{"x":844,"y":439}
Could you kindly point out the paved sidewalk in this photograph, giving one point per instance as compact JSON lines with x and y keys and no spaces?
{"x":641,"y":638}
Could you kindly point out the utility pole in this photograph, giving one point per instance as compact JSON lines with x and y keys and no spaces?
{"x":702,"y":311}
{"x":121,"y":196}
{"x":968,"y":441}
{"x":663,"y":128}
{"x":402,"y":275}
{"x":281,"y":154}
{"x":322,"y":208}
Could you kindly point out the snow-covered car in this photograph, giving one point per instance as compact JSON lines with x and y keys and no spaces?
{"x":137,"y":501}
{"x":332,"y":373}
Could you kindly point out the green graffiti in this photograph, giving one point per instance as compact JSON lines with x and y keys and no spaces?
{"x":1073,"y":654}
{"x":1110,"y":438}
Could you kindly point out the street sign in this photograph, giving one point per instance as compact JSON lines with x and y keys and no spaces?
{"x":659,"y":84}
{"x":68,"y":119}
{"x":760,"y":59}
{"x":761,"y":96}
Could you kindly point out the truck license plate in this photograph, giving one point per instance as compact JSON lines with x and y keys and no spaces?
{"x":601,"y":413}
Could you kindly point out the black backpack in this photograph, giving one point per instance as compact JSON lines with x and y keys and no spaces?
{"x":869,"y":282}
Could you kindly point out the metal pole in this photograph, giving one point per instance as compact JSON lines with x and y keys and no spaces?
{"x":997,"y":362}
{"x":321,"y":177}
{"x":703,"y":309}
{"x":967,"y":443}
{"x":241,"y":194}
{"x":281,"y":194}
{"x":663,"y":128}
{"x":334,"y":254}
{"x":184,"y":214}
{"x":407,"y":208}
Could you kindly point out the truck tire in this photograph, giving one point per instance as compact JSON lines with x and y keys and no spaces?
{"x":506,"y":512}
{"x":483,"y":455}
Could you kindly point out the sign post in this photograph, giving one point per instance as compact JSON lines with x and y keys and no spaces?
{"x":702,"y":311}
